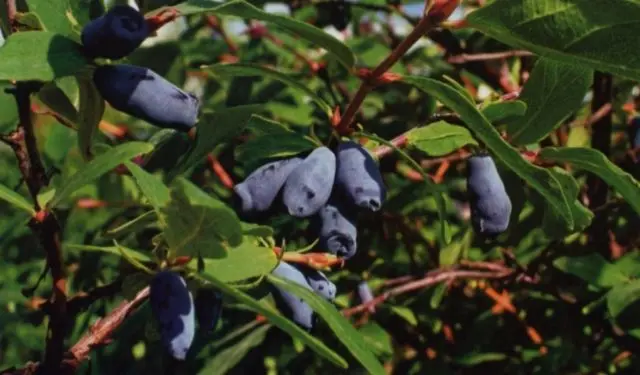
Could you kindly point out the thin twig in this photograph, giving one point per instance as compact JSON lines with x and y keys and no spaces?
{"x":466,"y":57}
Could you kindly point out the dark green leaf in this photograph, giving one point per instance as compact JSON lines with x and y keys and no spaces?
{"x":597,"y":163}
{"x":553,"y":91}
{"x":49,"y":55}
{"x":341,"y":327}
{"x":500,"y":111}
{"x":97,"y":167}
{"x":241,"y":263}
{"x":593,"y":269}
{"x":601,"y":35}
{"x":245,"y":10}
{"x":267,"y":147}
{"x":54,"y":15}
{"x":540,"y":179}
{"x":250,"y":70}
{"x":622,"y":296}
{"x":277,"y":319}
{"x":440,"y":138}
{"x":15,"y":199}
{"x":226,"y":359}
{"x":554,"y":225}
{"x":151,"y":186}
{"x":8,"y":109}
{"x":215,"y":128}
{"x":90,"y":113}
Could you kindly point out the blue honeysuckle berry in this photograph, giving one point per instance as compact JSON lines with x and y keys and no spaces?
{"x":173,"y":308}
{"x":258,"y":191}
{"x":490,"y":204}
{"x":291,"y":306}
{"x":142,"y":93}
{"x":357,"y":174}
{"x":336,"y":223}
{"x":115,"y":34}
{"x":309,"y":186}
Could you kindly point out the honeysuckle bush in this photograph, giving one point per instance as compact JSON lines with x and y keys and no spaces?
{"x":95,"y":200}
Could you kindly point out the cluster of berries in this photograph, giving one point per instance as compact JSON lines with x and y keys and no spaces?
{"x":137,"y":91}
{"x":329,"y":186}
{"x":176,"y":312}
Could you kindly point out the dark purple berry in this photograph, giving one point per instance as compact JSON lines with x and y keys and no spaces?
{"x":258,"y":191}
{"x":291,"y":306}
{"x":309,"y":186}
{"x":142,"y":93}
{"x":490,"y":204}
{"x":337,"y":227}
{"x":358,"y":176}
{"x":172,"y":306}
{"x":115,"y":34}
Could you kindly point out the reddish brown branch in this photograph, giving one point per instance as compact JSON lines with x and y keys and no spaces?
{"x":98,"y":335}
{"x":214,"y":24}
{"x":480,"y":271}
{"x":439,"y":12}
{"x":465,"y":57}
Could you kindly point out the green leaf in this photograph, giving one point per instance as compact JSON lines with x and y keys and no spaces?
{"x":593,"y":269}
{"x":49,"y":55}
{"x":134,"y":225}
{"x":242,"y":262}
{"x":226,"y":359}
{"x":8,"y":109}
{"x":231,"y":231}
{"x":89,"y":115}
{"x":406,"y":314}
{"x":473,"y":359}
{"x":597,"y":163}
{"x":601,"y":35}
{"x":299,"y":29}
{"x":622,"y":296}
{"x":115,"y":250}
{"x":539,"y":178}
{"x":60,"y":96}
{"x":53,"y":15}
{"x":440,"y":138}
{"x":445,"y":232}
{"x":250,"y":70}
{"x":554,"y":225}
{"x":15,"y":199}
{"x":197,"y":224}
{"x":340,"y":326}
{"x":215,"y":128}
{"x":151,"y":186}
{"x":267,"y":147}
{"x":256,"y":230}
{"x":500,"y":111}
{"x":276,"y":319}
{"x":97,"y":167}
{"x":553,"y":91}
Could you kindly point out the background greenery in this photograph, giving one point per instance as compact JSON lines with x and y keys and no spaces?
{"x":567,"y":302}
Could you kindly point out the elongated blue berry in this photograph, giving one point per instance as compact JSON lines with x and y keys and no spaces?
{"x":142,"y":93}
{"x":208,"y":304}
{"x":337,"y":225}
{"x":260,"y":188}
{"x":358,"y":176}
{"x":635,"y":129}
{"x":291,"y":306}
{"x":319,"y":283}
{"x":490,"y":204}
{"x":115,"y":34}
{"x":309,"y":186}
{"x":364,"y":292}
{"x":172,"y":306}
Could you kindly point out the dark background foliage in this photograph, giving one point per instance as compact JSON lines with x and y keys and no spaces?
{"x":556,"y":294}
